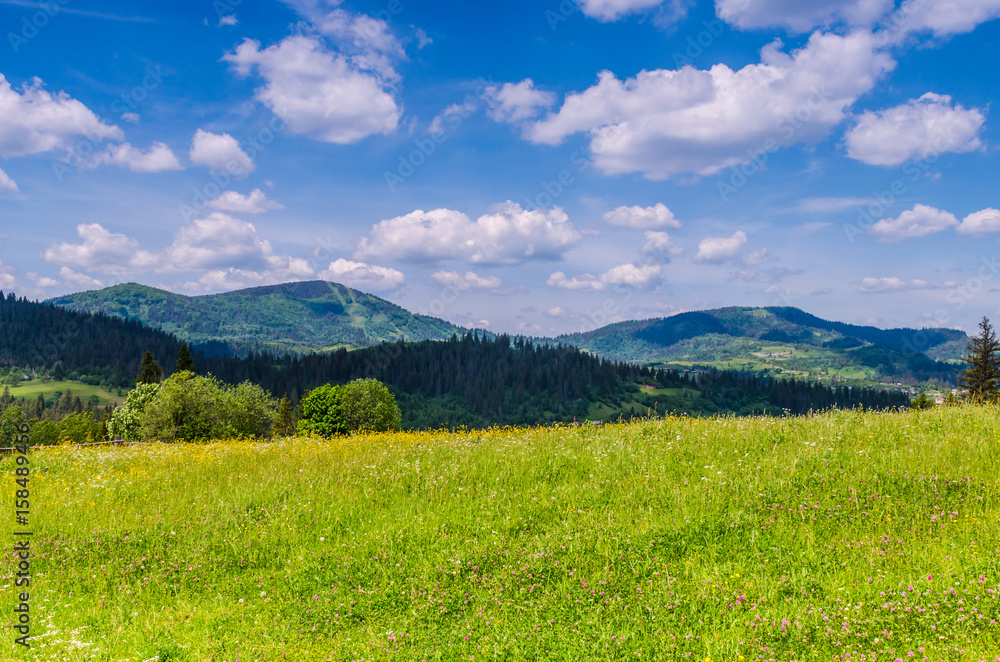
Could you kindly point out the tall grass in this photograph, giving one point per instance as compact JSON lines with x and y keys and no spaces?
{"x":840,"y":536}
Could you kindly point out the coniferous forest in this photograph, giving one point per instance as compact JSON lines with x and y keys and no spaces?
{"x":470,"y":380}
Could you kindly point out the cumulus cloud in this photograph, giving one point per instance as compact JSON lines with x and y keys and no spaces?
{"x":516,"y":102}
{"x":942,"y":17}
{"x":157,"y":158}
{"x":220,"y":240}
{"x":508,"y":235}
{"x":366,"y":40}
{"x":801,"y":16}
{"x":980,"y":223}
{"x":667,"y":122}
{"x":920,"y":221}
{"x":221,"y":153}
{"x":631,"y":275}
{"x":228,"y":20}
{"x":255,"y":202}
{"x":643,"y":218}
{"x":362,"y":276}
{"x":612,"y":10}
{"x":7,"y":280}
{"x":717,"y":250}
{"x":228,"y":250}
{"x":659,"y":244}
{"x":924,"y":126}
{"x":7,"y":185}
{"x":35,"y":121}
{"x":892,"y":284}
{"x":70,"y":277}
{"x":317,"y":92}
{"x":100,"y":251}
{"x":467,"y":281}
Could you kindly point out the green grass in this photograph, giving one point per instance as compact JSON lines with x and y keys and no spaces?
{"x":813,"y":538}
{"x":30,"y":390}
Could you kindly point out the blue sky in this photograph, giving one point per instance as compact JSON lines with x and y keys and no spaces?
{"x":535,"y":167}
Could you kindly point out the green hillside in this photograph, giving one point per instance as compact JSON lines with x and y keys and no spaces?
{"x":298,"y":317}
{"x":781,"y":341}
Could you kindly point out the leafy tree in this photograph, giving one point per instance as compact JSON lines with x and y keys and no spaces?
{"x":921,"y":402}
{"x":321,"y":412}
{"x":150,"y":371}
{"x":982,"y":373}
{"x":367,"y":405}
{"x":284,"y":421}
{"x":125,"y":420}
{"x":193,"y":408}
{"x":185,"y":361}
{"x":249,"y":411}
{"x":73,"y":429}
{"x":11,"y":420}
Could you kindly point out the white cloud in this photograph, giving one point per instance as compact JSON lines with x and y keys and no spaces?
{"x":220,"y":240}
{"x":70,"y":277}
{"x":920,"y":221}
{"x":7,"y":280}
{"x":921,"y":127}
{"x":660,"y":244}
{"x":227,"y":249}
{"x":228,"y":20}
{"x":612,"y":10}
{"x":362,"y":276}
{"x":892,"y":284}
{"x":158,"y":158}
{"x":721,"y":249}
{"x":35,"y":121}
{"x":639,"y":277}
{"x":467,"y":281}
{"x":317,"y":92}
{"x":643,"y":218}
{"x":557,"y":311}
{"x":7,"y":185}
{"x":517,"y":102}
{"x":758,"y":257}
{"x":255,"y":202}
{"x":131,"y":117}
{"x":221,"y":153}
{"x":508,"y":235}
{"x":101,"y":251}
{"x":666,"y":122}
{"x":980,"y":223}
{"x":801,"y":16}
{"x":943,"y":17}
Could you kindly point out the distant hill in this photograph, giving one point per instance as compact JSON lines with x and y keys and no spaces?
{"x":781,"y":340}
{"x":296,"y":317}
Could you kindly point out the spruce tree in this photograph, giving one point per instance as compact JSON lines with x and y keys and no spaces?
{"x":150,"y":371}
{"x":982,"y":373}
{"x":284,"y":421}
{"x":184,"y":359}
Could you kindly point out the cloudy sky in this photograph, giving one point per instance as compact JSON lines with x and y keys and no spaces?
{"x":537,"y":166}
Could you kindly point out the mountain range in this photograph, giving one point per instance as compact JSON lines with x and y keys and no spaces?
{"x":319,"y":316}
{"x":313,"y":316}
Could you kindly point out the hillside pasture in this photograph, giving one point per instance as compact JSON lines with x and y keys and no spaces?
{"x":838,"y":536}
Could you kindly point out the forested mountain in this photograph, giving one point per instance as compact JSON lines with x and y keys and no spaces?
{"x":469,"y":380}
{"x":297,"y":317}
{"x":772,"y":339}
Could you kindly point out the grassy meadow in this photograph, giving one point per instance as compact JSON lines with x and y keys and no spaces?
{"x":839,"y":536}
{"x":49,"y":389}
